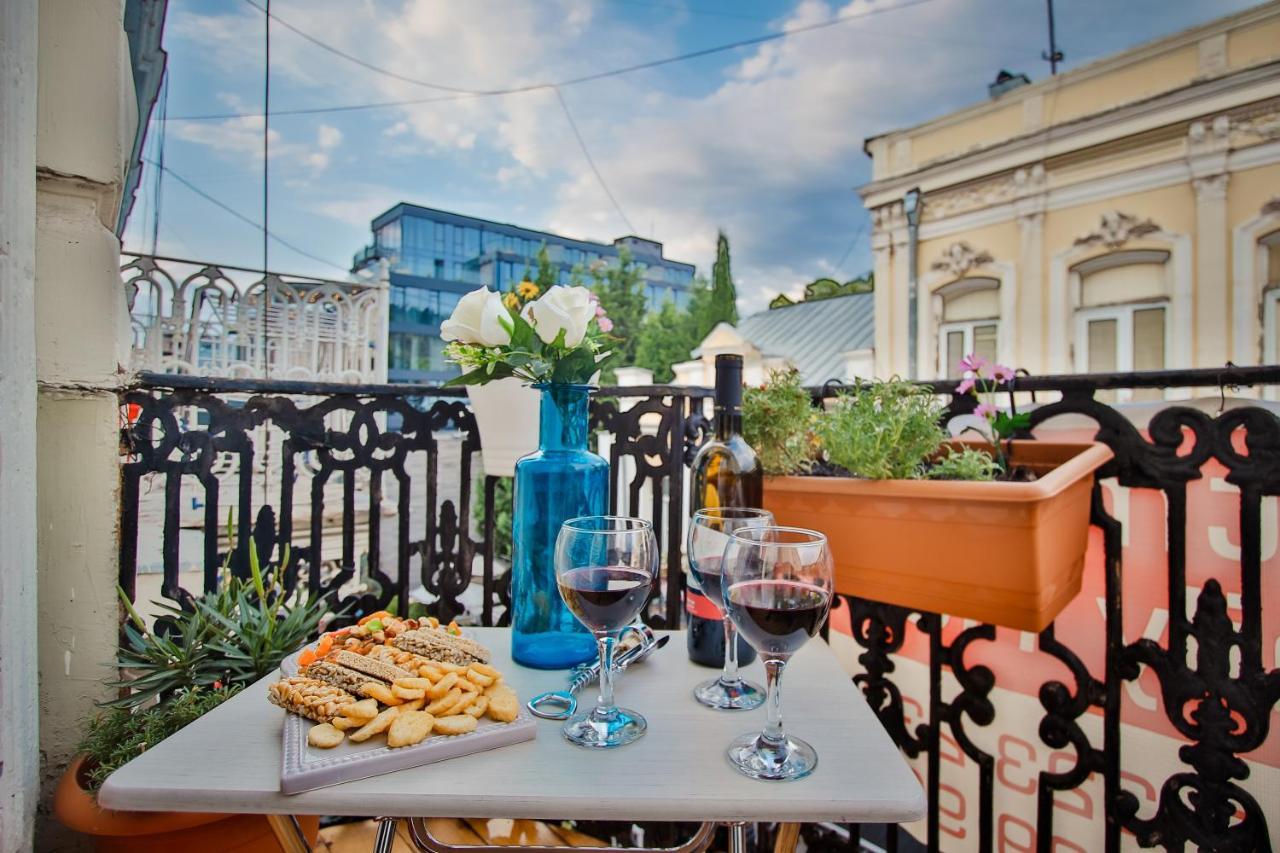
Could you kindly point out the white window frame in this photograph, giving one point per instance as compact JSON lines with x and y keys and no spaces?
{"x":1123,"y":315}
{"x":1270,"y":335}
{"x":966,"y":326}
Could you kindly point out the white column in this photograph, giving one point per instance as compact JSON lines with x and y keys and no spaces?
{"x":1029,"y":349}
{"x":1212,"y":295}
{"x":19,"y":735}
{"x":85,"y":124}
{"x":1207,"y":147}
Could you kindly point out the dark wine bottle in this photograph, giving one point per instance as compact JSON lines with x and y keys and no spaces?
{"x":726,"y":472}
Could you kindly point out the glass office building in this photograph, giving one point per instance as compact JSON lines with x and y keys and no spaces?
{"x":436,"y":256}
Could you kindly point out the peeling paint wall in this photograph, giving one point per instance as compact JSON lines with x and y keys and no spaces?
{"x":84,"y":130}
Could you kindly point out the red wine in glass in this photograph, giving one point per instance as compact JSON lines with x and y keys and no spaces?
{"x":706,"y":572}
{"x":778,"y":616}
{"x":604,"y":598}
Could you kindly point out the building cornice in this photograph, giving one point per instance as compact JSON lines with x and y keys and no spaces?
{"x":1221,"y":95}
{"x":1106,"y":65}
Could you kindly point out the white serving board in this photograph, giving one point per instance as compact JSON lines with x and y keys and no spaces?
{"x":305,"y":768}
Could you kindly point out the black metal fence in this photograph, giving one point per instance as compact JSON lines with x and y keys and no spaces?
{"x":1215,"y":689}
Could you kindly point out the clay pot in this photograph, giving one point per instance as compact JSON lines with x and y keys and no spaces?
{"x":1004,"y":553}
{"x":142,"y":832}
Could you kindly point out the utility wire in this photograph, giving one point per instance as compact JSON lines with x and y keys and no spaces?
{"x":266,"y":135}
{"x":573,"y":81}
{"x":238,"y":215}
{"x":573,"y":125}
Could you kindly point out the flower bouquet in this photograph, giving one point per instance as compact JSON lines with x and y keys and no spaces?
{"x":559,"y":337}
{"x":556,"y":341}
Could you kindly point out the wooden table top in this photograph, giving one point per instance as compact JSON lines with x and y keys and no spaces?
{"x":230,"y":759}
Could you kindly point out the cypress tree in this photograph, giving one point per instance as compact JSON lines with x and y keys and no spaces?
{"x":724,"y":296}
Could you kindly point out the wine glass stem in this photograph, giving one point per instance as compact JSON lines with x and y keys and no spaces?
{"x":604,"y":703}
{"x":730,"y":673}
{"x":773,"y":682}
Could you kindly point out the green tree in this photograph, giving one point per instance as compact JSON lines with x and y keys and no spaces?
{"x":620,"y":288}
{"x":723,"y":305}
{"x":667,"y":337}
{"x":547,"y":274}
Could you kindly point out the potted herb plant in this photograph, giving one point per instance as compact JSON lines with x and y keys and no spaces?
{"x":206,"y":653}
{"x":993,"y":529}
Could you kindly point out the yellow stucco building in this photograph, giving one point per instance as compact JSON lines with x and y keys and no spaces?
{"x":1122,"y":216}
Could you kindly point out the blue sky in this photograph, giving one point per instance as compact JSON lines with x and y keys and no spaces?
{"x":763,"y":141}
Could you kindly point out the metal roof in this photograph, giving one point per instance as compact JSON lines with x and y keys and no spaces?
{"x":814,"y":336}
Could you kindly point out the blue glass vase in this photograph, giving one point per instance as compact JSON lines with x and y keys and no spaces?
{"x":560,"y":480}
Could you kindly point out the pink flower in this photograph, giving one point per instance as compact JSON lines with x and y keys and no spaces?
{"x":1002,"y":373}
{"x":966,"y":386}
{"x":985,"y":410}
{"x":973,"y":363}
{"x":605,"y":324}
{"x":600,"y":312}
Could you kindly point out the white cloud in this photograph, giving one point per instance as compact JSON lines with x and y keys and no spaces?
{"x":766,"y":143}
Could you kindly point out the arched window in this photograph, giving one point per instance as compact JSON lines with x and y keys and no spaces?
{"x":1122,"y":323}
{"x":1270,"y":245}
{"x":969,"y":322}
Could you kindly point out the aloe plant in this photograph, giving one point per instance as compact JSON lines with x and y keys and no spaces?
{"x":232,"y":635}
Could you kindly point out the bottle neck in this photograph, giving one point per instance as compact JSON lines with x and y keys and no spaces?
{"x":563,"y":417}
{"x":728,"y":422}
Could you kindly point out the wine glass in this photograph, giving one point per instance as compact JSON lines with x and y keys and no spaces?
{"x":605,"y":568}
{"x":778,"y":588}
{"x":709,"y":532}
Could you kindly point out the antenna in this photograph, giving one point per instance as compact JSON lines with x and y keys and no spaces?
{"x":1052,"y":56}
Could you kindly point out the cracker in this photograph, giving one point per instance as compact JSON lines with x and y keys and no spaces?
{"x":407,"y":692}
{"x":503,"y":707}
{"x":364,"y":710}
{"x":443,"y":686}
{"x":446,"y":701}
{"x":325,"y":736}
{"x":409,"y":728}
{"x":377,"y":725}
{"x":381,"y":692}
{"x":413,"y":683}
{"x":455,"y":724}
{"x":413,"y":705}
{"x":477,"y":707}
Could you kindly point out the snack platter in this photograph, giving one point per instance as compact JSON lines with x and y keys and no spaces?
{"x":359,"y":706}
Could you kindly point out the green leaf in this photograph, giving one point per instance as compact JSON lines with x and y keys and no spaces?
{"x":523,"y":336}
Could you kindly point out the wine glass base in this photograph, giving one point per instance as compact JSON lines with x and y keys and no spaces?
{"x":619,"y":728}
{"x":758,"y":758}
{"x":737,"y":695}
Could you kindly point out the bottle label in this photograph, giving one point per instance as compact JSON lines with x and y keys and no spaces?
{"x":697,"y":604}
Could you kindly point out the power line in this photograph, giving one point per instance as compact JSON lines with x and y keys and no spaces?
{"x":573,"y":81}
{"x":238,"y":215}
{"x":573,"y":125}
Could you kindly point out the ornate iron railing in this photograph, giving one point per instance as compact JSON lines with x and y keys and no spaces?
{"x":1210,"y":681}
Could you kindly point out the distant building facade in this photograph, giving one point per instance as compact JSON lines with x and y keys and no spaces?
{"x":825,"y":339}
{"x":1122,"y":216}
{"x":436,"y":256}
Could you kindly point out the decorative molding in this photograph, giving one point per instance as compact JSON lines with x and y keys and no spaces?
{"x":1116,"y":229}
{"x":1211,"y":55}
{"x":1263,"y":124}
{"x":959,"y":258}
{"x":1271,"y":207}
{"x":1211,"y":188}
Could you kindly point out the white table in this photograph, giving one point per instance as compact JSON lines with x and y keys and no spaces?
{"x":230,"y":759}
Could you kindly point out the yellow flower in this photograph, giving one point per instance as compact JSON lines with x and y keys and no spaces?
{"x":527,"y":290}
{"x":511,"y":301}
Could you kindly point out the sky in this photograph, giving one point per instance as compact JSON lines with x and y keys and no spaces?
{"x":763,"y":141}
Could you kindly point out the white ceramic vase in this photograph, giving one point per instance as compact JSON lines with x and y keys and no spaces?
{"x":506,"y":412}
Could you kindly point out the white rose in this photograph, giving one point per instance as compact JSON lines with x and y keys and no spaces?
{"x":476,"y":320}
{"x":562,"y":308}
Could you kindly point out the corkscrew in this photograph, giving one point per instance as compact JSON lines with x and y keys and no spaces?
{"x":636,"y":642}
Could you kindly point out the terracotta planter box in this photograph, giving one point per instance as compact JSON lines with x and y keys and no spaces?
{"x":163,"y":832}
{"x":1005,"y":553}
